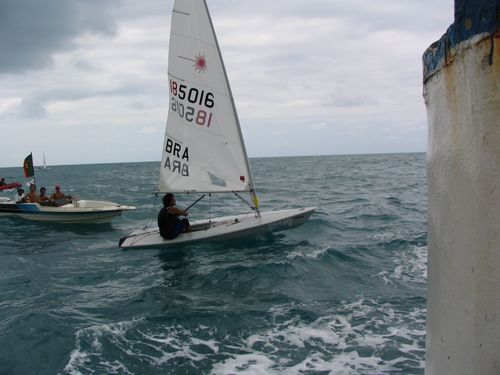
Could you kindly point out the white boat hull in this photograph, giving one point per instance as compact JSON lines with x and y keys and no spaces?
{"x":222,"y":228}
{"x":81,"y":211}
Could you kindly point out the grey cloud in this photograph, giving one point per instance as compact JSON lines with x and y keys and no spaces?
{"x":34,"y":105}
{"x":360,"y":14}
{"x":31,"y":31}
{"x":347,"y":100}
{"x":85,"y":65}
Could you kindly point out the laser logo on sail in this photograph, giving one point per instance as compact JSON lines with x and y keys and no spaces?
{"x":200,"y":63}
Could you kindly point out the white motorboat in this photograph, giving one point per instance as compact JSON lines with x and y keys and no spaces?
{"x":73,"y":211}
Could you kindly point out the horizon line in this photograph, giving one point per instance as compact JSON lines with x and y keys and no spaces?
{"x":250,"y":157}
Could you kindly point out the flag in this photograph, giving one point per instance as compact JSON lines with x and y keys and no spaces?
{"x":28,"y":166}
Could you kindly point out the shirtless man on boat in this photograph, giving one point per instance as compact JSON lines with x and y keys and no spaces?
{"x":58,"y":194}
{"x":32,"y":196}
{"x":43,"y":197}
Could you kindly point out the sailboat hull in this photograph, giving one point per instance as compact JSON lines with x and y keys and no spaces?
{"x":221,"y":229}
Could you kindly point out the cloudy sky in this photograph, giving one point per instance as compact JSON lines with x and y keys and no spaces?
{"x":85,"y":81}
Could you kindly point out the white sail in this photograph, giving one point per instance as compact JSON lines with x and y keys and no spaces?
{"x":203,"y":148}
{"x":44,"y":166}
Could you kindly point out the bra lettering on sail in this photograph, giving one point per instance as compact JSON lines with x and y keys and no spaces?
{"x":177,"y":151}
{"x":176,"y":167}
{"x":175,"y":148}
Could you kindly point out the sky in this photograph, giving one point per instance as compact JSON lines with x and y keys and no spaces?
{"x":85,"y":81}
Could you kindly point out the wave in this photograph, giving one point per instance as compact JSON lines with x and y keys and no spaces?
{"x":359,"y":336}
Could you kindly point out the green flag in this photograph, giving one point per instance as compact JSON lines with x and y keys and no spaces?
{"x":29,"y":171}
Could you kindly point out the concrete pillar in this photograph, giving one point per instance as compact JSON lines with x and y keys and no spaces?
{"x":462,"y":96}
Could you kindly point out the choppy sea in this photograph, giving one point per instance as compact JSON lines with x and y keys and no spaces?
{"x":342,"y":294}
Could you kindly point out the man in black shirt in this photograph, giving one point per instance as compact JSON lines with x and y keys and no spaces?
{"x":168,"y":219}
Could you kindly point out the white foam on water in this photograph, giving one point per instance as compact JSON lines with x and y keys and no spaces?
{"x":307,"y":252}
{"x":77,"y":359}
{"x":167,"y":344}
{"x":245,"y":364}
{"x":154,"y":350}
{"x":410,"y":266}
{"x":89,"y":347}
{"x":352,"y":340}
{"x":101,"y":245}
{"x":364,"y":336}
{"x":341,"y":365}
{"x":384,"y":236}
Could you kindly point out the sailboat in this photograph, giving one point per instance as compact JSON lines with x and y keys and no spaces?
{"x":204,"y":150}
{"x":44,"y":167}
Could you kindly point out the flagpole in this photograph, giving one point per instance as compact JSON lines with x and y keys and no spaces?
{"x":34,"y":177}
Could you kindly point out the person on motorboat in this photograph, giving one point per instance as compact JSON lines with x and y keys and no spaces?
{"x":32,"y":196}
{"x":58,"y":194}
{"x":168,"y":219}
{"x":43,"y":197}
{"x":2,"y":181}
{"x":19,"y":198}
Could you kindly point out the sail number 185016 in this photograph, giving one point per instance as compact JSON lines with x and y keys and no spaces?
{"x":187,"y":100}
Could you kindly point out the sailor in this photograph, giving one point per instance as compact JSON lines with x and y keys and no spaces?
{"x":168,"y":219}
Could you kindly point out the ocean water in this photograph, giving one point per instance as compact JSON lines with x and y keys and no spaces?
{"x":342,"y":294}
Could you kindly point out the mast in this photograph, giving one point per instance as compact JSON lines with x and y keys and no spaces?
{"x":253,"y":193}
